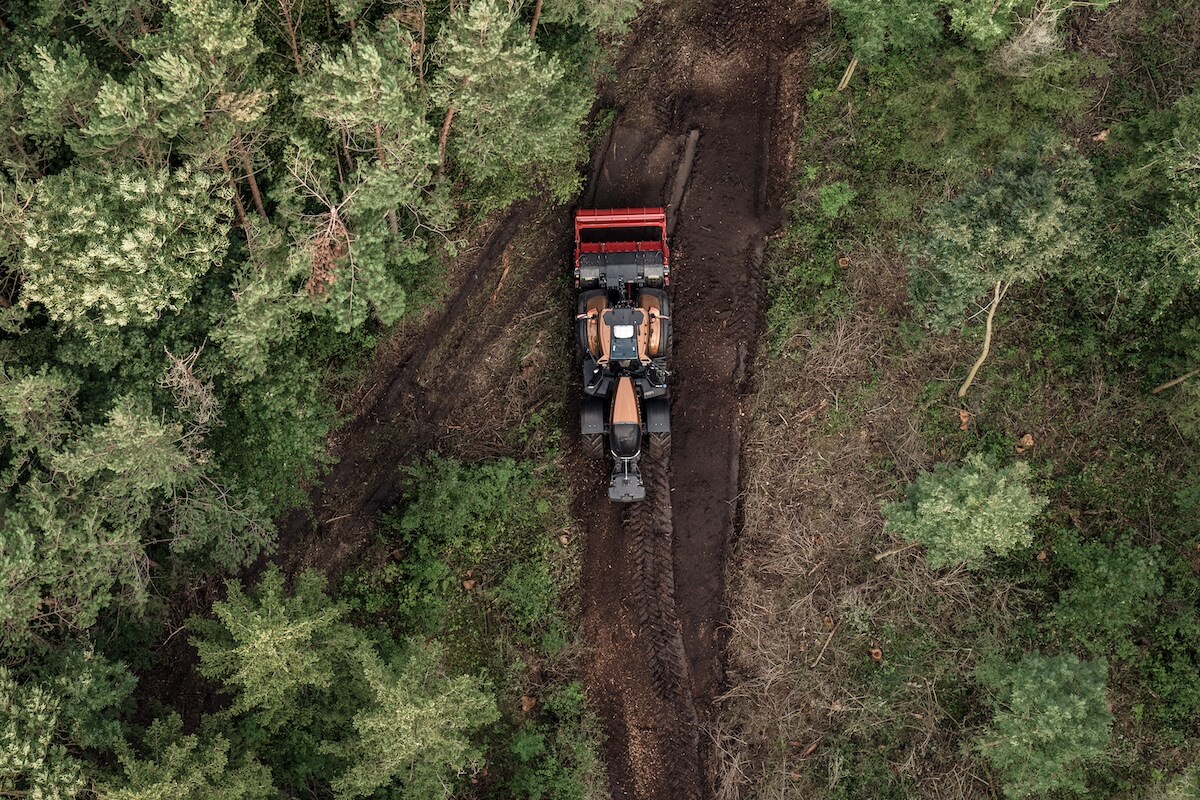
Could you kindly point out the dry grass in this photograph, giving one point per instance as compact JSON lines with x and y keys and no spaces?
{"x":832,"y":436}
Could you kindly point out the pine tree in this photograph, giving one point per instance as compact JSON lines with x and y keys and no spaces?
{"x":877,"y":27}
{"x":275,"y":650}
{"x":1051,"y":719}
{"x":33,"y":763}
{"x":59,"y":93}
{"x":115,"y":22}
{"x":1028,"y":219}
{"x":1177,"y":243}
{"x":513,"y":120}
{"x":79,"y":498}
{"x":120,"y":246}
{"x":267,"y":306}
{"x":605,"y":16}
{"x":179,"y":767}
{"x":416,"y":731}
{"x":373,"y":226}
{"x":961,"y":514}
{"x":982,"y":23}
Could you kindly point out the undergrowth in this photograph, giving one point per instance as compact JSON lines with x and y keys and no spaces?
{"x":480,"y":561}
{"x":860,"y":670}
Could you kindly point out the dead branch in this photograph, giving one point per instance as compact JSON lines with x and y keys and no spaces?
{"x":848,"y":74}
{"x":503,"y":274}
{"x":987,"y":339}
{"x":1175,"y":382}
{"x":894,"y":552}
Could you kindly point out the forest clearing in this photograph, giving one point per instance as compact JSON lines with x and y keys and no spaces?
{"x":295,"y":500}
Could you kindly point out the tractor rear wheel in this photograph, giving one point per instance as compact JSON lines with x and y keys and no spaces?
{"x":593,"y":445}
{"x":660,"y":444}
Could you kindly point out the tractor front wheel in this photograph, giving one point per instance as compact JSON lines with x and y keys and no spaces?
{"x":593,"y":445}
{"x":660,"y":444}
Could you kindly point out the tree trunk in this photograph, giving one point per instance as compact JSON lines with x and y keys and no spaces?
{"x":848,"y":74}
{"x":237,"y":200}
{"x":442,"y":140}
{"x":537,"y":13}
{"x":987,"y":340}
{"x":381,"y":156}
{"x":285,"y":8}
{"x":244,"y":155}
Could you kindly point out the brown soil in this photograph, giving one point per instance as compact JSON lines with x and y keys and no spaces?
{"x":652,"y":585}
{"x":653,"y":574}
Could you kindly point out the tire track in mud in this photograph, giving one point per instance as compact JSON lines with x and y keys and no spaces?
{"x":651,"y":531}
{"x":653,"y":578}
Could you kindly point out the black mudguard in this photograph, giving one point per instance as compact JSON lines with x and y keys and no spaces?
{"x":591,"y":415}
{"x":658,"y":415}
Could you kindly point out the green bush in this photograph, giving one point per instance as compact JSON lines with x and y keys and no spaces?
{"x":1112,"y":590}
{"x":484,"y":519}
{"x":555,"y":759}
{"x":835,"y":198}
{"x":962,"y":513}
{"x":1027,"y":219}
{"x":1051,"y":718}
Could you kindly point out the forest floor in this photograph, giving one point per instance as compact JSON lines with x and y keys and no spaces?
{"x":495,"y":358}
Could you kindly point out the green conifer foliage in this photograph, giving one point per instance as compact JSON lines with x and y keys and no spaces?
{"x":983,"y":23}
{"x":516,"y":119}
{"x":1029,"y":218}
{"x":961,"y":514}
{"x":879,"y":26}
{"x":415,"y":732}
{"x":606,"y":16}
{"x":179,"y":767}
{"x":116,"y":22}
{"x":121,"y":246}
{"x":59,"y":93}
{"x":1051,"y":718}
{"x":73,"y":525}
{"x":274,"y":649}
{"x":372,"y":228}
{"x":1177,"y":243}
{"x":1113,"y":590}
{"x":91,"y":690}
{"x":32,"y":762}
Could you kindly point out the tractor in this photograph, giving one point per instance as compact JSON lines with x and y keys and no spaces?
{"x":623,"y":329}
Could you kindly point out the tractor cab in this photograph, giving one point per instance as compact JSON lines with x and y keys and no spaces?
{"x":624,"y":323}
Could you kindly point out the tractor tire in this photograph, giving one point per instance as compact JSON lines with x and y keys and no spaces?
{"x":593,"y":445}
{"x":660,"y":445}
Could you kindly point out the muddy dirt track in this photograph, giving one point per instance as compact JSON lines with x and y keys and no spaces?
{"x":653,"y":573}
